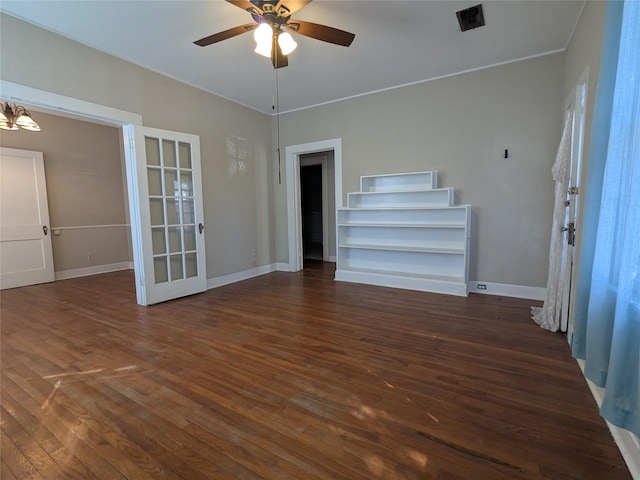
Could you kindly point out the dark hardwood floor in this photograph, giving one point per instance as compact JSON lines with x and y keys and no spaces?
{"x":290,"y":376}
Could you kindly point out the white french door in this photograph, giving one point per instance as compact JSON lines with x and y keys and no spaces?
{"x":26,"y":255}
{"x":169,"y":247}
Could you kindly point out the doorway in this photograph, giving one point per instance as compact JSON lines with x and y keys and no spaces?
{"x":312,"y":212}
{"x":137,"y":181}
{"x":317,"y":203}
{"x":295,"y":157}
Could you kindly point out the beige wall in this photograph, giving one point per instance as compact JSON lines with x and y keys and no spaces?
{"x":459,"y":126}
{"x":238,"y":209}
{"x":84,"y":188}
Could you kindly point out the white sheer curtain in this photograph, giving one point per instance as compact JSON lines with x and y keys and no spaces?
{"x":548,"y":316}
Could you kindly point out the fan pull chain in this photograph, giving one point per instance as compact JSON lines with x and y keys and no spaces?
{"x":275,"y":106}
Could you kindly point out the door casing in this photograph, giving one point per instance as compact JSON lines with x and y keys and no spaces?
{"x":294,"y":214}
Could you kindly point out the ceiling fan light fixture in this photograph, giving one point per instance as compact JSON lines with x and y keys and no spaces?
{"x":263,"y":36}
{"x":287,"y":43}
{"x":270,"y":17}
{"x":264,"y":50}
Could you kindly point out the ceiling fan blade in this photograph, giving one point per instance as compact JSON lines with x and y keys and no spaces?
{"x":285,"y":8}
{"x":246,"y":5}
{"x":321,"y":32}
{"x":232,"y":32}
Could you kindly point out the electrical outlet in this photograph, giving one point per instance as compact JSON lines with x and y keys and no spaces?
{"x":89,"y":255}
{"x":481,"y":286}
{"x":253,"y":252}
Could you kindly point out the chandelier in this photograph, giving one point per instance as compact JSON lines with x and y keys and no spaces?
{"x":13,"y":116}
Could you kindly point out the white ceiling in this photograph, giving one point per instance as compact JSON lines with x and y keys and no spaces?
{"x":397,"y":42}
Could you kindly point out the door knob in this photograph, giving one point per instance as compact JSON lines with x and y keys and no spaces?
{"x":200,"y":227}
{"x":45,"y":230}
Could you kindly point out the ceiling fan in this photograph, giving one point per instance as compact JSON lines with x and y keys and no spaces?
{"x":276,"y":41}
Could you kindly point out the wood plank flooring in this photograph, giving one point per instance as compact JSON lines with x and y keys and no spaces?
{"x":290,"y":376}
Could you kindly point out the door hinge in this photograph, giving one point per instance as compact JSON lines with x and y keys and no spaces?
{"x":573,"y":190}
{"x":571,"y":233}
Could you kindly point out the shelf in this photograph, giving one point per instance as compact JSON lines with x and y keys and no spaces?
{"x":402,"y":231}
{"x":429,"y":215}
{"x":440,"y":197}
{"x":399,"y":182}
{"x":402,"y":248}
{"x":403,"y":225}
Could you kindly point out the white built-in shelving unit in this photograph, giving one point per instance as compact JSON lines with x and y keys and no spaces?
{"x":401,"y":230}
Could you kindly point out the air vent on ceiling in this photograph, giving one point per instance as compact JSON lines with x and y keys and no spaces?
{"x":470,"y":18}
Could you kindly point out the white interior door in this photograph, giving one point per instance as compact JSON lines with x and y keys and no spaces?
{"x":576,"y":109}
{"x":169,"y":247}
{"x":26,"y":256}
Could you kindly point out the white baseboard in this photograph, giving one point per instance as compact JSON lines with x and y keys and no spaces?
{"x":239,"y":276}
{"x":626,"y":441}
{"x":507,"y":290}
{"x":85,"y":272}
{"x":282,"y":267}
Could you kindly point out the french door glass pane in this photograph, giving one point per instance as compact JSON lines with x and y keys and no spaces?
{"x":189,"y":238}
{"x":157,"y":212}
{"x":191,"y":264}
{"x":173,"y":211}
{"x":188,"y":214}
{"x":185,"y":155}
{"x":186,"y":184}
{"x":176,"y":267}
{"x":169,"y":153}
{"x":154,"y":175}
{"x":160,"y":269}
{"x":159,"y":241}
{"x":175,"y":239}
{"x":171,"y":187}
{"x":152,"y":147}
